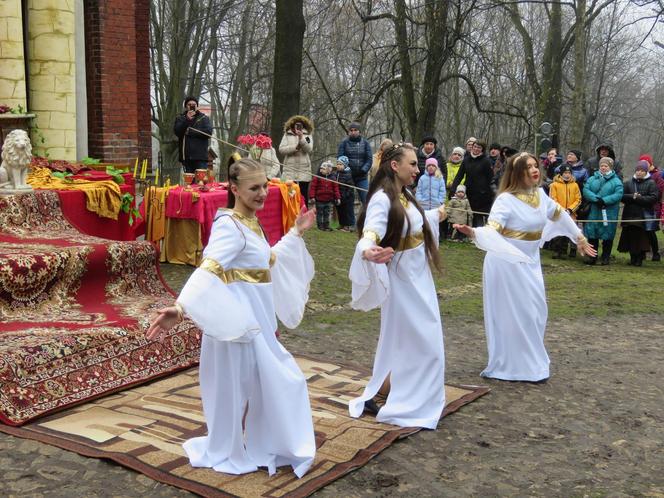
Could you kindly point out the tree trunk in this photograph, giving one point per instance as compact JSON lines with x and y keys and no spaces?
{"x":579,"y":95}
{"x":407,"y":86}
{"x":289,"y":35}
{"x":550,"y":105}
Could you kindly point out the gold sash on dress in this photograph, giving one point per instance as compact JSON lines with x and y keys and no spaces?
{"x":249,"y":275}
{"x":411,"y":241}
{"x":513,"y":234}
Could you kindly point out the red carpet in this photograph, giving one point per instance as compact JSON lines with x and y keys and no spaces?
{"x":73,"y":310}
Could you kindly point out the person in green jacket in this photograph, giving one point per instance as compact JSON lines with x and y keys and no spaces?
{"x":604,"y":191}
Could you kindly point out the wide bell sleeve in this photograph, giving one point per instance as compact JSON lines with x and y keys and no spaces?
{"x":207,"y":300}
{"x":370,"y":281}
{"x":488,"y":238}
{"x":291,"y":274}
{"x":559,"y":224}
{"x":433,"y":218}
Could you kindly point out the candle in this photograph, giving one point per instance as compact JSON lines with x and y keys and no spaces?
{"x":156,"y":177}
{"x":135,"y":167}
{"x":144,"y":169}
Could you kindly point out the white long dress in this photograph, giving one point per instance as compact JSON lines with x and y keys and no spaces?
{"x":515,"y":309}
{"x":231,"y":298}
{"x":410,"y":347}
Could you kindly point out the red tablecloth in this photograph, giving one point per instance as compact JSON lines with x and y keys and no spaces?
{"x":73,"y":208}
{"x":180,"y":204}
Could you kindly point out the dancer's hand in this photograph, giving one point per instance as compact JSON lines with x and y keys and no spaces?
{"x":465,"y":229}
{"x":378,"y":255}
{"x":305,"y":220}
{"x":586,"y":249}
{"x":442,"y":213}
{"x":166,"y":319}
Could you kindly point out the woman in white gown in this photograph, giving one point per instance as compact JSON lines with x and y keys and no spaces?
{"x":390,"y":269}
{"x":522,"y":218}
{"x":254,"y":395}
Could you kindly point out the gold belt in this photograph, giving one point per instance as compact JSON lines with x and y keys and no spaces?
{"x":513,"y":234}
{"x":249,"y":275}
{"x":411,"y":241}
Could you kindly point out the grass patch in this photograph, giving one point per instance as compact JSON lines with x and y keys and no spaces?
{"x":573,"y":289}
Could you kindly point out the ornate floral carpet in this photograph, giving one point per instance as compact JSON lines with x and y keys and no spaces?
{"x":143,"y":428}
{"x":73,"y":309}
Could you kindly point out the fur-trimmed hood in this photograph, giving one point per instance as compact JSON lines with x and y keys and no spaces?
{"x":308,"y":124}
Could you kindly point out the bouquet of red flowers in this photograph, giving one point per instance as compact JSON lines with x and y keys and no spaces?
{"x":256,"y":144}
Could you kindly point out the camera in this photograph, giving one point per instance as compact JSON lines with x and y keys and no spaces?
{"x":192,"y":107}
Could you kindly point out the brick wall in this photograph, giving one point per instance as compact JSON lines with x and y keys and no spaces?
{"x":118,"y":79}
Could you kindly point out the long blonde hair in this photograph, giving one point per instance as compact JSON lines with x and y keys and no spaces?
{"x":516,"y":169}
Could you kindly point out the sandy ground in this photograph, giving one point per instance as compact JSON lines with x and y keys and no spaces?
{"x":595,"y":429}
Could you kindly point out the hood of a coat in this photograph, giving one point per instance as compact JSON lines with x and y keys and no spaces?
{"x":606,"y":145}
{"x":308,"y":124}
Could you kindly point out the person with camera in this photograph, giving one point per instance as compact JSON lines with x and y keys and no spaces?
{"x":192,"y":128}
{"x":296,"y":146}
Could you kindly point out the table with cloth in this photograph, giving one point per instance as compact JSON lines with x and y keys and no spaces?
{"x":182,"y":217}
{"x":91,"y":202}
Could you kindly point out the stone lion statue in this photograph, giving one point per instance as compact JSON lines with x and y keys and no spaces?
{"x":16,"y":158}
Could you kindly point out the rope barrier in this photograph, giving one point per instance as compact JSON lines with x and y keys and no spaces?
{"x":242,"y":149}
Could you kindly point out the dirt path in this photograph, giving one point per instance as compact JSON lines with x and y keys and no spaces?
{"x":595,"y":429}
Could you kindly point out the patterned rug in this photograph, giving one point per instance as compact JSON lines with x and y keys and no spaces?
{"x":143,"y":428}
{"x":73,"y":310}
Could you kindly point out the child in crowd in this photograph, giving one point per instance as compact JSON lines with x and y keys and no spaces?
{"x":325,"y":193}
{"x":459,"y":213}
{"x":430,"y":192}
{"x":345,"y":209}
{"x":431,"y":186}
{"x":565,"y":191}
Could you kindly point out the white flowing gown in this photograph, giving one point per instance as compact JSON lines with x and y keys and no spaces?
{"x":410,"y":347}
{"x":515,"y":309}
{"x":231,"y":297}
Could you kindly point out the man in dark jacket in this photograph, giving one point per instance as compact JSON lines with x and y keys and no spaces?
{"x":604,"y":149}
{"x":192,"y":145}
{"x":429,"y":148}
{"x":358,"y":151}
{"x":476,"y":168}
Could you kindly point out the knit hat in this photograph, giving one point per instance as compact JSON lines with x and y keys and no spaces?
{"x":343,"y":160}
{"x":494,"y":145}
{"x":431,"y":160}
{"x":458,"y":150}
{"x":643,"y":165}
{"x":355,"y":125}
{"x":461,"y":188}
{"x":646,"y":157}
{"x":429,"y":138}
{"x":564,"y":168}
{"x":471,"y":139}
{"x":577,"y":153}
{"x":607,"y":160}
{"x":326,"y":164}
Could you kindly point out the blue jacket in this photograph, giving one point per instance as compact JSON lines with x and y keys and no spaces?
{"x":358,"y":152}
{"x":430,"y":191}
{"x":608,"y":189}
